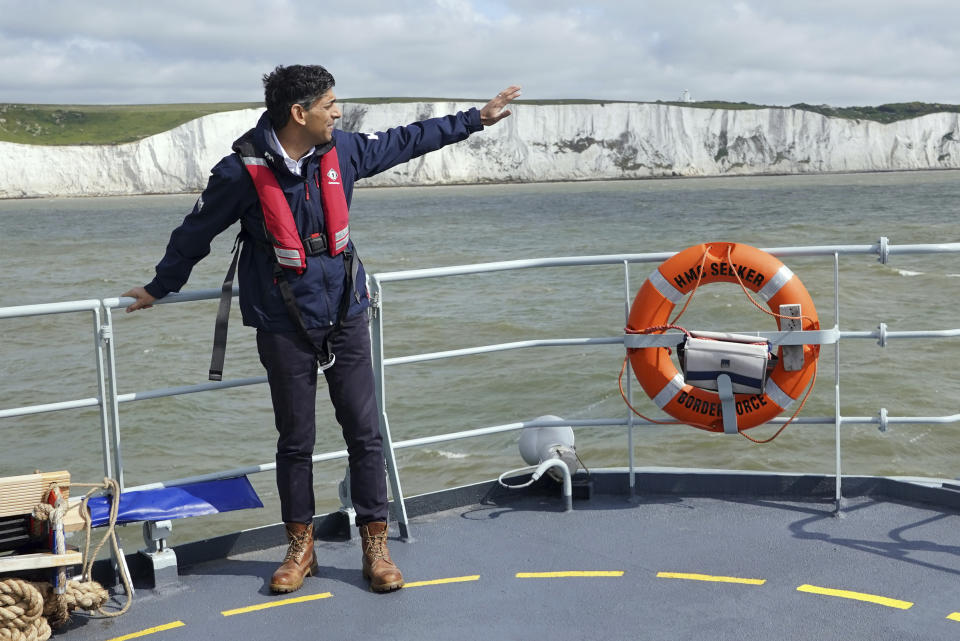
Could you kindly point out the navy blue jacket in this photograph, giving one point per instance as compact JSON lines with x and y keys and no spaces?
{"x":231,"y":196}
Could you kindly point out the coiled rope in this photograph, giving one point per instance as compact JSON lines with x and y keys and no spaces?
{"x":21,"y":612}
{"x":28,"y":610}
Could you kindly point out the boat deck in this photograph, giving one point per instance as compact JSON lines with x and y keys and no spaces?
{"x":693,"y":556}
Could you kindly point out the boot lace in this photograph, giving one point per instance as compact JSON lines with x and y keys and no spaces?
{"x":376,"y":547}
{"x":298,"y":546}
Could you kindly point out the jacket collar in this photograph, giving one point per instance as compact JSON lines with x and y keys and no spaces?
{"x":260,"y":136}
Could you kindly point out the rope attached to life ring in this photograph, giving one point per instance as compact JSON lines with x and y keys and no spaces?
{"x":672,"y":325}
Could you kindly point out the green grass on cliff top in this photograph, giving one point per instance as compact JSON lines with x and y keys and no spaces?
{"x":116,"y":124}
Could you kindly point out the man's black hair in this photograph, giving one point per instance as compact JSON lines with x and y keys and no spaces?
{"x":294,"y":85}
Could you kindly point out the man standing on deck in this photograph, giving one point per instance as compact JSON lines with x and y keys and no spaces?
{"x":290,"y":184}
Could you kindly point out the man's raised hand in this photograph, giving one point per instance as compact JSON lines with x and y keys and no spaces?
{"x":493,"y":112}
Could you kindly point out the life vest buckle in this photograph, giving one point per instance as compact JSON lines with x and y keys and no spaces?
{"x":323,"y":366}
{"x":315,"y":244}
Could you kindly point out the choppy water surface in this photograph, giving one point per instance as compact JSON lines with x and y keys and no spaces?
{"x":57,"y":250}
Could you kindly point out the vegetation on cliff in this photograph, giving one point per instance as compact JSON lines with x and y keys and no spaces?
{"x":117,"y":124}
{"x":98,"y":124}
{"x":883,"y":113}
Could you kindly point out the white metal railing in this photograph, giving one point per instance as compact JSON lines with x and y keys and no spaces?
{"x":110,"y":398}
{"x":882,"y":249}
{"x":94,"y":308}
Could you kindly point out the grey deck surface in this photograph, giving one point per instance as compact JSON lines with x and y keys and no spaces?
{"x":907,"y":552}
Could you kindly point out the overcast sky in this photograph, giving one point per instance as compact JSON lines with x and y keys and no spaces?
{"x":838,"y":52}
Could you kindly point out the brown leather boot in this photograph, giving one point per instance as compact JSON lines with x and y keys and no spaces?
{"x":378,"y":568}
{"x":300,"y":561}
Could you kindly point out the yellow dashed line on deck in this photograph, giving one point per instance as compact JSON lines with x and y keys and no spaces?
{"x":708,"y":577}
{"x":954,"y":616}
{"x":812,"y":589}
{"x":276,"y":604}
{"x":456,"y":579}
{"x":858,"y":596}
{"x":143,"y":633}
{"x":572,"y":573}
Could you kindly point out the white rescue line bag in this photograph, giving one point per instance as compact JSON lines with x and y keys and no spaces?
{"x":704,"y":356}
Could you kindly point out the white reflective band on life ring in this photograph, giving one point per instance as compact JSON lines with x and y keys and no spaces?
{"x":671,"y":389}
{"x":775,"y":284}
{"x":777,"y":395}
{"x":666,"y":289}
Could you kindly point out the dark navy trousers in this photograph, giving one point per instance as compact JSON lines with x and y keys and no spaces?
{"x":292,"y":374}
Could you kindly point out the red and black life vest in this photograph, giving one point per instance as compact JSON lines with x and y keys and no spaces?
{"x":289,"y":249}
{"x":278,"y":220}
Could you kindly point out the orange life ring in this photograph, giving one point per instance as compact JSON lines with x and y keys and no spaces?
{"x":771,"y":280}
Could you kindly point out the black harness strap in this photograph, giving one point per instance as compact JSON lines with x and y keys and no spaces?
{"x":350,"y":265}
{"x":223,"y":318}
{"x":325,"y":356}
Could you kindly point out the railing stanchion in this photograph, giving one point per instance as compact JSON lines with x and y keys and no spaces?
{"x":836,"y":389}
{"x":626,"y":321}
{"x":106,"y":335}
{"x":393,"y":473}
{"x":102,"y":394}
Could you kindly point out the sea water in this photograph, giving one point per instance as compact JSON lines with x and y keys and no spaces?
{"x":76,"y":249}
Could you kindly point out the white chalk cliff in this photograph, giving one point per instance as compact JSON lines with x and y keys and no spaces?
{"x":537,"y":143}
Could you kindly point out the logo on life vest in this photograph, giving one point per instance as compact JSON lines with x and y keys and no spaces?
{"x":333,"y":175}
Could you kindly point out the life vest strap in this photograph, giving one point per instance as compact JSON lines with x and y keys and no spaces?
{"x":325,"y":356}
{"x":315,"y":244}
{"x":223,"y":318}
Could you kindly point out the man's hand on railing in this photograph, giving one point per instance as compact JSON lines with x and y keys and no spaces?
{"x":144,"y":299}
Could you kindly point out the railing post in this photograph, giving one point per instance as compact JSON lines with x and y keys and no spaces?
{"x":102,"y":395}
{"x":110,"y":417}
{"x":393,"y":474}
{"x":626,"y":321}
{"x":106,"y":337}
{"x":836,"y":389}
